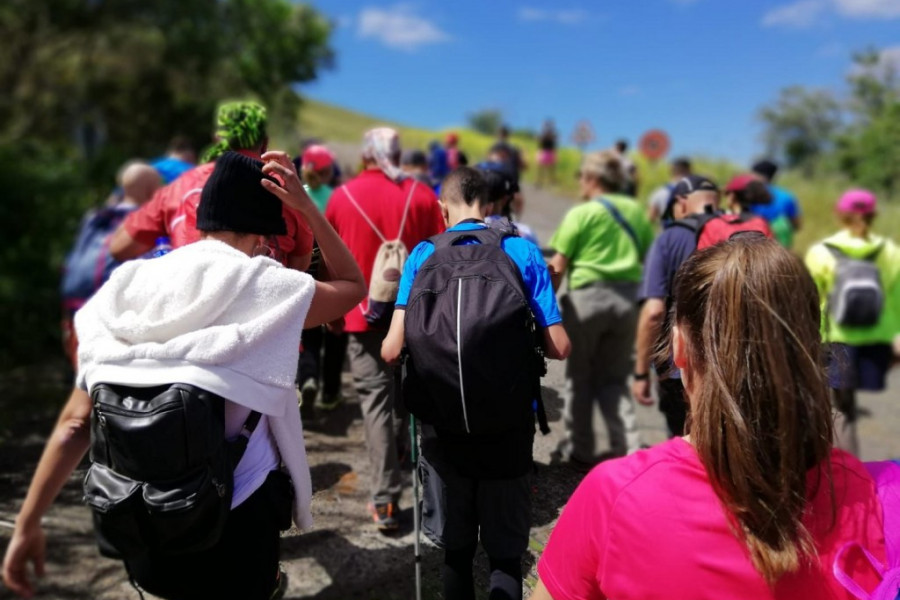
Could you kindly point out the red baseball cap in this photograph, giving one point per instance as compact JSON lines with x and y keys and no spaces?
{"x":740,"y":182}
{"x":318,"y":156}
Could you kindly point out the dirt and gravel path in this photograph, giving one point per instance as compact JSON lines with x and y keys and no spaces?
{"x":343,"y":557}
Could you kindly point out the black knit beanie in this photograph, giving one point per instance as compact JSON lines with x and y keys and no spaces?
{"x":233,"y":199}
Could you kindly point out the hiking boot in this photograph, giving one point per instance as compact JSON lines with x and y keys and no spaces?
{"x":383,"y":516}
{"x":331,"y":401}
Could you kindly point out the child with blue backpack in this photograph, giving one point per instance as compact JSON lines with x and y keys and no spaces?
{"x":476,"y":442}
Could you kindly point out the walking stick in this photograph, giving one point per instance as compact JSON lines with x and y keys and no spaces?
{"x":414,"y":456}
{"x":415,"y":462}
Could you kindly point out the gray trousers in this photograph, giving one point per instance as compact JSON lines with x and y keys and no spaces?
{"x":383,"y":422}
{"x":601,"y":321}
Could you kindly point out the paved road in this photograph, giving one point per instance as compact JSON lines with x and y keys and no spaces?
{"x":343,"y":557}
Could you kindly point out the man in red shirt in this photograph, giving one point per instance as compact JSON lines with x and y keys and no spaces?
{"x":240,"y":126}
{"x":380,"y":198}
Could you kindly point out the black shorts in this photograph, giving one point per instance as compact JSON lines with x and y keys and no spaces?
{"x":243,"y":565}
{"x":859,"y":367}
{"x":457,"y":511}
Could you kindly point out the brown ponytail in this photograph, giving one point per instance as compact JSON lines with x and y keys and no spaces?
{"x":761,"y":415}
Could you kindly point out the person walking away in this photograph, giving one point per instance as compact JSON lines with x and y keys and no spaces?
{"x":754,"y":502}
{"x":509,"y":152}
{"x":438,"y":167}
{"x":600,"y":245}
{"x":692,"y":195}
{"x":504,"y":194}
{"x":324,"y":348}
{"x":88,"y":263}
{"x":630,"y":187}
{"x":478,"y":486}
{"x":546,"y":159}
{"x":783,"y":212}
{"x":180,"y":158}
{"x":415,"y":164}
{"x":142,"y":326}
{"x":857,"y":274}
{"x":455,"y":156}
{"x":380,"y":204}
{"x":240,"y":126}
{"x":658,"y":202}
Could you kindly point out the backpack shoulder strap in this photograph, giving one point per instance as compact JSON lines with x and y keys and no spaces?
{"x":484,"y":235}
{"x":886,"y":477}
{"x":363,"y":213}
{"x":239,"y":445}
{"x":412,"y":190}
{"x":623,"y":223}
{"x":886,"y":474}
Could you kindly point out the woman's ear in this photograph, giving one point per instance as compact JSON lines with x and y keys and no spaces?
{"x":679,"y":347}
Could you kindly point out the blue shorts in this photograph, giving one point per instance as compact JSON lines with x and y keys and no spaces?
{"x":858,"y":367}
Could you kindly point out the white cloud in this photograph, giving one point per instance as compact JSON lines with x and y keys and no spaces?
{"x":798,"y":15}
{"x":564,"y":17}
{"x":399,"y":27}
{"x":866,"y":9}
{"x":629,"y":90}
{"x":806,"y":13}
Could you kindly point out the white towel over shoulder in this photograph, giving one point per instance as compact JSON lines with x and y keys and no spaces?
{"x":208,"y":315}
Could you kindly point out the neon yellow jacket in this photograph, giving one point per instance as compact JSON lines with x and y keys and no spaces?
{"x":821,"y":264}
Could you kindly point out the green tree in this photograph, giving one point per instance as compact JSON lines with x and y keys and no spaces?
{"x":869,"y":150}
{"x":874,"y":83}
{"x":486,"y":121}
{"x":800,"y":125}
{"x":89,"y":84}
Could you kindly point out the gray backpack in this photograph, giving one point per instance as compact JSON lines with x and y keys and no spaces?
{"x":857,"y":298}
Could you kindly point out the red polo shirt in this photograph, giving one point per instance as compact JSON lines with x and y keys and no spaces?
{"x":173,"y":212}
{"x":383,"y":201}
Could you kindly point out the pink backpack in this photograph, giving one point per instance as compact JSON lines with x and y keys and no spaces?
{"x":887,"y":483}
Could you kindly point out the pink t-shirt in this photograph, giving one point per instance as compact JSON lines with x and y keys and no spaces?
{"x":650,"y":526}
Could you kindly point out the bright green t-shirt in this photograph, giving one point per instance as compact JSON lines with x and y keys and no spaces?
{"x":597,"y":246}
{"x":822,"y":264}
{"x":319,"y":196}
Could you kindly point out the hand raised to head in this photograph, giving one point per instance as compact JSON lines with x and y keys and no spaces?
{"x":290,"y":191}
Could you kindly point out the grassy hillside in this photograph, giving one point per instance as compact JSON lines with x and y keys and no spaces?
{"x":817,"y":195}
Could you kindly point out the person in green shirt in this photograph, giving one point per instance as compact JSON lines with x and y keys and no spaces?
{"x":322,"y":356}
{"x":600,"y":245}
{"x":860,"y":307}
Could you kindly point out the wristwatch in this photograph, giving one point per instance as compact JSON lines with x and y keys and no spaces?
{"x":641,"y":376}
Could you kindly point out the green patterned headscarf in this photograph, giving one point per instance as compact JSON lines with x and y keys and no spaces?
{"x":239,"y":126}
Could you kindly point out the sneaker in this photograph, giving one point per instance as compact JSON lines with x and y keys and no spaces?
{"x":331,"y":401}
{"x":383,"y":516}
{"x":308,"y":391}
{"x":281,"y":584}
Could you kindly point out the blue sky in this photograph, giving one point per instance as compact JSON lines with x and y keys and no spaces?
{"x":699,"y":69}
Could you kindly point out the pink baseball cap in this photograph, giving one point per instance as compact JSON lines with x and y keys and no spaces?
{"x":861,"y":202}
{"x":317,"y":156}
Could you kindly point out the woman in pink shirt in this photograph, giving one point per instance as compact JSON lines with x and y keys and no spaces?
{"x":754,"y":502}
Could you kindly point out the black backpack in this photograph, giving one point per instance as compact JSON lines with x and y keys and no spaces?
{"x":162,"y":473}
{"x":473,"y":358}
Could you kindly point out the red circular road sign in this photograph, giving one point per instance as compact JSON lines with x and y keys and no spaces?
{"x":654,"y":144}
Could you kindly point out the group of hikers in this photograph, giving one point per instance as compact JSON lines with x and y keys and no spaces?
{"x":444,"y":307}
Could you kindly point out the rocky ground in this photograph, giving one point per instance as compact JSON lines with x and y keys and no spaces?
{"x":343,"y":557}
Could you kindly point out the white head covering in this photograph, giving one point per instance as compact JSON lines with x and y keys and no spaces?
{"x":381,"y":144}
